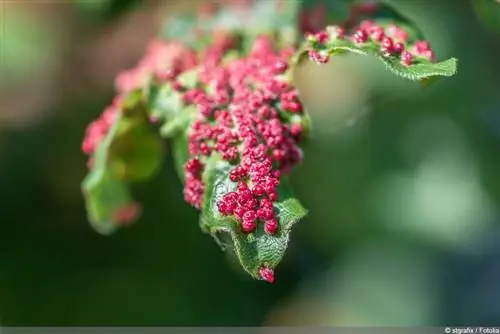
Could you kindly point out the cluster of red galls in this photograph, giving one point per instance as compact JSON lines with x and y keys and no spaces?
{"x":241,"y":105}
{"x":392,"y":41}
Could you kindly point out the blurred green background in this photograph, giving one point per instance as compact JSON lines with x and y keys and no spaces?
{"x":402,"y":187}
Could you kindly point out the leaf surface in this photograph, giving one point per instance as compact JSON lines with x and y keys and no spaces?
{"x":128,"y":153}
{"x":256,"y":249}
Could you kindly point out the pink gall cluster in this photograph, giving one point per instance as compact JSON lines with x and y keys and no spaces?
{"x":391,"y":40}
{"x":241,"y":104}
{"x":162,"y":59}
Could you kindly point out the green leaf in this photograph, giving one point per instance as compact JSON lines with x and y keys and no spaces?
{"x":422,"y":70}
{"x":104,"y":191}
{"x":188,"y":79}
{"x":255,"y":249}
{"x":174,"y":127}
{"x":105,"y":195}
{"x":138,"y":152}
{"x":128,"y":153}
{"x":165,"y":104}
{"x":133,"y":148}
{"x":488,"y":12}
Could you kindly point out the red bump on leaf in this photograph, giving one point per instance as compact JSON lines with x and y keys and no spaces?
{"x":360,"y":36}
{"x":322,"y":37}
{"x":398,"y":48}
{"x":271,"y":226}
{"x":396,"y":33}
{"x":266,"y":274}
{"x":317,"y":57}
{"x":280,"y":66}
{"x":406,"y":58}
{"x":387,"y":46}
{"x":248,"y":226}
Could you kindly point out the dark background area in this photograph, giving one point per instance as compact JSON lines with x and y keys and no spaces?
{"x":402,"y":186}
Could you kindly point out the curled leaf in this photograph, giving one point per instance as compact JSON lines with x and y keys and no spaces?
{"x":138,"y":152}
{"x":108,"y":202}
{"x":412,"y":60}
{"x":128,"y":152}
{"x":105,"y":192}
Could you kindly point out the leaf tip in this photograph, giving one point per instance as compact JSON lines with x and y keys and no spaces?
{"x":454,"y":62}
{"x":450,"y":69}
{"x":104,"y":229}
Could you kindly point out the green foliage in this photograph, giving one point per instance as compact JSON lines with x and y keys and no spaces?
{"x":165,"y":104}
{"x":104,"y":189}
{"x":423,"y":70}
{"x":130,"y":152}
